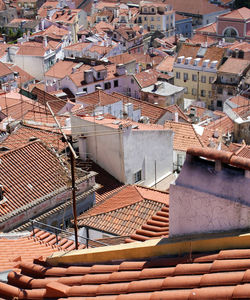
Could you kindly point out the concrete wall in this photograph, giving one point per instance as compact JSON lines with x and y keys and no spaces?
{"x":205,"y":199}
{"x":142,"y":149}
{"x":104,"y":148}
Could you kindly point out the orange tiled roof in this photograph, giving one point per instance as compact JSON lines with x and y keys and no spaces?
{"x":16,"y":105}
{"x":167,"y":64}
{"x":234,"y":66}
{"x":211,"y":28}
{"x":241,"y":150}
{"x":55,"y":103}
{"x":212,"y":53}
{"x":4,"y":70}
{"x":184,"y":135}
{"x":221,"y":274}
{"x":155,"y":227}
{"x":124,"y":212}
{"x":240,"y":14}
{"x":152,"y":111}
{"x":22,"y":135}
{"x":61,"y":68}
{"x":23,"y":76}
{"x":36,"y":244}
{"x":147,"y":78}
{"x":123,"y":58}
{"x":31,"y":49}
{"x":28,"y":173}
{"x":191,"y":7}
{"x":98,"y":98}
{"x":76,"y":47}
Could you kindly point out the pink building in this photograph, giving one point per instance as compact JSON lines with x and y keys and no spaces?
{"x":235,"y":24}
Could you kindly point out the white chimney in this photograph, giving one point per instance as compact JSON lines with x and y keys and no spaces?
{"x":45,"y":41}
{"x":176,"y":117}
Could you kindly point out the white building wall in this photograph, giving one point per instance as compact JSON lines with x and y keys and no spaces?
{"x":200,"y":212}
{"x":31,"y":64}
{"x":145,"y":149}
{"x":104,"y":146}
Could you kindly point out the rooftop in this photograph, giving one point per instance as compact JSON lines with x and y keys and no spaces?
{"x":239,"y":14}
{"x":163,"y":88}
{"x":234,"y":66}
{"x":147,"y":78}
{"x":125,"y":211}
{"x":184,"y":135}
{"x":167,"y":64}
{"x":24,"y":134}
{"x":32,"y":167}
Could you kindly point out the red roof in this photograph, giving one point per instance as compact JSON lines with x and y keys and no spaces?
{"x":15,"y":249}
{"x":28,"y":173}
{"x":239,"y":14}
{"x":222,"y":274}
{"x":125,"y":211}
{"x":24,"y":134}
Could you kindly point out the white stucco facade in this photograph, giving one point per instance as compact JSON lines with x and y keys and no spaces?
{"x":127,"y":152}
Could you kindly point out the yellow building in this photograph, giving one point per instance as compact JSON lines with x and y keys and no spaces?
{"x":157,"y":16}
{"x":195,"y":68}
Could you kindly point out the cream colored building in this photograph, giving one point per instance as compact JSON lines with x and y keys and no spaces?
{"x":157,"y":16}
{"x":195,"y":68}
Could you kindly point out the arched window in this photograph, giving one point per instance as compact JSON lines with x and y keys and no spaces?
{"x":230,"y":32}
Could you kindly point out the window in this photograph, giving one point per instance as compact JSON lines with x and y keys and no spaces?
{"x":98,"y":74}
{"x":107,"y":85}
{"x":178,"y":75}
{"x":158,"y":18}
{"x":152,"y":18}
{"x":152,"y":10}
{"x":145,"y":9}
{"x":186,"y":91}
{"x":137,"y":176}
{"x":210,"y":94}
{"x":132,"y":81}
{"x":230,"y":93}
{"x":219,"y":90}
{"x":185,"y":76}
{"x":145,"y":18}
{"x":211,"y":79}
{"x":158,"y":27}
{"x":152,"y":27}
{"x":203,"y":79}
{"x":194,"y":77}
{"x":203,"y":93}
{"x":194,"y":92}
{"x":85,"y":90}
{"x":219,"y":103}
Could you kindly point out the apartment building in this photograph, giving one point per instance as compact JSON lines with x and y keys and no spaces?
{"x":195,"y":68}
{"x":157,"y":16}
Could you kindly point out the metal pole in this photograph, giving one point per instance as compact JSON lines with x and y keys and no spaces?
{"x":155,"y":173}
{"x":72,"y":161}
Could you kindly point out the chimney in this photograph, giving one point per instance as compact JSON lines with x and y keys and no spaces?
{"x":45,"y":41}
{"x":88,"y":76}
{"x":176,"y":117}
{"x":120,"y":69}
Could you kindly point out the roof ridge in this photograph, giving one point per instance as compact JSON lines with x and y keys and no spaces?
{"x":114,"y":207}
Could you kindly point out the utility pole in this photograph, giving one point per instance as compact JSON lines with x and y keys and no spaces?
{"x":72,"y":164}
{"x":73,"y":156}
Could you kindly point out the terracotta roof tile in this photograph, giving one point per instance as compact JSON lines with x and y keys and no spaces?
{"x":37,"y":244}
{"x":147,"y":78}
{"x":97,"y":98}
{"x":184,"y":135}
{"x":24,"y":134}
{"x":234,"y":66}
{"x":212,"y":53}
{"x":156,"y":278}
{"x":124,"y":212}
{"x":4,"y":70}
{"x":167,"y":64}
{"x":55,"y":103}
{"x":241,"y":14}
{"x":22,"y":179}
